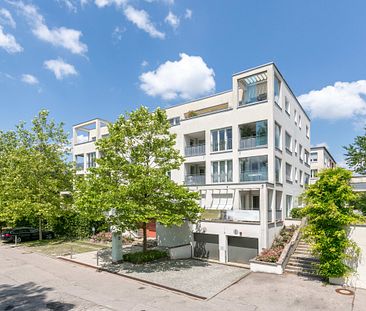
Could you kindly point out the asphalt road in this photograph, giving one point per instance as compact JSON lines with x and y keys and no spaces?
{"x":30,"y":281}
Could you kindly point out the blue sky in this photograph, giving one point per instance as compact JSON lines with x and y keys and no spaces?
{"x":81,"y":59}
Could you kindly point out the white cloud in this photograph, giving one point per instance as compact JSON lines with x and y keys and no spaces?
{"x":144,"y":63}
{"x":186,"y":78}
{"x":142,"y":20}
{"x":60,"y":68}
{"x":62,"y":36}
{"x":6,"y":18}
{"x":188,"y":14}
{"x":9,"y":43}
{"x":117,"y":33}
{"x":172,"y":20}
{"x":343,"y":100}
{"x":104,"y":3}
{"x":29,"y":79}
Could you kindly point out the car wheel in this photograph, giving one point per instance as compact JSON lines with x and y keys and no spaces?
{"x":19,"y":239}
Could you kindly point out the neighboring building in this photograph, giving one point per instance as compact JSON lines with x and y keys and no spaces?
{"x":247,"y":151}
{"x":320,"y":158}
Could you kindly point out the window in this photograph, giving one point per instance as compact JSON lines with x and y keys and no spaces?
{"x":307,"y":132}
{"x":295,"y":116}
{"x":288,"y":172}
{"x":295,"y":147}
{"x":252,"y":89}
{"x":287,"y":105}
{"x":314,"y":173}
{"x":288,"y":204}
{"x":288,"y":142}
{"x":296,"y":177}
{"x":300,"y":124}
{"x":174,"y":121}
{"x":278,"y":140}
{"x":277,"y":89}
{"x":306,"y":157}
{"x":253,"y":135}
{"x":300,"y":178}
{"x":79,"y":159}
{"x":314,"y":157}
{"x":254,"y":168}
{"x":300,"y":153}
{"x":278,"y":170}
{"x":222,"y":171}
{"x":91,"y":159}
{"x":306,"y":178}
{"x":221,"y":139}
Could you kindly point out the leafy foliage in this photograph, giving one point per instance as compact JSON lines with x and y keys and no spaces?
{"x":329,"y":214}
{"x":296,"y":213}
{"x":356,"y":154}
{"x":33,"y":172}
{"x":360,"y":203}
{"x":142,"y":257}
{"x":131,"y":178}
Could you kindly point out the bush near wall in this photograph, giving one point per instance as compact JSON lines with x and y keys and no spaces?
{"x":296,"y":213}
{"x":143,"y":257}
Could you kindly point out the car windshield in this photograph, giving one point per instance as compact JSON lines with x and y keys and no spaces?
{"x":6,"y":231}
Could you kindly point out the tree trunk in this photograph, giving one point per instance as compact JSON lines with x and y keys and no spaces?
{"x":144,"y":241}
{"x":40,"y":229}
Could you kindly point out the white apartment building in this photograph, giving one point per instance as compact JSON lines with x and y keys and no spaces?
{"x":247,"y":151}
{"x":320,"y":158}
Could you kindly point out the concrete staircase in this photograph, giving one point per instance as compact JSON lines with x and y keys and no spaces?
{"x":302,"y":262}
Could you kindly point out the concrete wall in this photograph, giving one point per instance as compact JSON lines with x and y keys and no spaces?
{"x":174,"y":236}
{"x":181,"y":252}
{"x":358,"y":234}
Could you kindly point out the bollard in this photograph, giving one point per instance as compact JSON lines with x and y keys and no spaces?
{"x":97,"y":258}
{"x":71,"y":252}
{"x":16,"y":240}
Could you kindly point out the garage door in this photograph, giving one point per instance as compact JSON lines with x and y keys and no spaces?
{"x":241,"y":249}
{"x":206,"y":246}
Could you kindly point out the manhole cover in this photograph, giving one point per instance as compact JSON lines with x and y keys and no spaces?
{"x":344,"y":291}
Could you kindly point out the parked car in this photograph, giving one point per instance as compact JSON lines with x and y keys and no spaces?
{"x":24,"y":234}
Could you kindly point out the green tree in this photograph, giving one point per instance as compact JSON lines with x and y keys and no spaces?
{"x":329,"y":215}
{"x":34,"y":171}
{"x":132,"y":176}
{"x":356,"y":154}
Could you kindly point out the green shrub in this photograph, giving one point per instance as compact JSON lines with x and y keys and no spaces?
{"x":142,"y":257}
{"x":296,"y":212}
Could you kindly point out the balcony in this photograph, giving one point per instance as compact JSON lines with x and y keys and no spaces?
{"x":231,"y":215}
{"x":253,"y":142}
{"x":195,"y":150}
{"x":254,"y":175}
{"x":252,"y":89}
{"x":193,"y":180}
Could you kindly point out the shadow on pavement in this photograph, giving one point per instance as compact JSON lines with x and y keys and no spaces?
{"x":29,"y":296}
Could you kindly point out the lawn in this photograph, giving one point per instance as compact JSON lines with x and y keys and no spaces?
{"x":63,"y":247}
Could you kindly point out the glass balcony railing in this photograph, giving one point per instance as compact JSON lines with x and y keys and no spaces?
{"x":230,"y":215}
{"x":222,"y":177}
{"x":222,"y":145}
{"x":254,"y":175}
{"x":252,"y":141}
{"x":195,"y":180}
{"x":195,"y":150}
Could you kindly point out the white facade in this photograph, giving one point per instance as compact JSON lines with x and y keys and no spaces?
{"x":247,"y":151}
{"x":320,"y":158}
{"x":231,"y":147}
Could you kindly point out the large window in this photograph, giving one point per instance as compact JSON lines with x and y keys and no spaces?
{"x":278,"y":134}
{"x":278,"y":170}
{"x":288,"y":172}
{"x":287,"y":106}
{"x":277,"y":90}
{"x":306,"y":178}
{"x":174,"y":121}
{"x":253,"y":134}
{"x":91,"y":159}
{"x":301,"y":153}
{"x":222,"y":171}
{"x":288,"y":142}
{"x":288,"y":205}
{"x":314,"y":157}
{"x":221,"y":139}
{"x":295,"y":147}
{"x":79,"y":159}
{"x":254,"y":168}
{"x":306,"y":157}
{"x":252,"y":89}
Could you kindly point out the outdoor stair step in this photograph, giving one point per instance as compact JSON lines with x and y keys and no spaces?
{"x":303,"y":248}
{"x":304,"y":257}
{"x":302,"y":262}
{"x":296,"y":270}
{"x":301,"y":267}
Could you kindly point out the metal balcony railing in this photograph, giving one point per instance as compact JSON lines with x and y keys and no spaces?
{"x":195,"y":150}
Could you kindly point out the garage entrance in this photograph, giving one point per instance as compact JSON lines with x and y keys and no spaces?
{"x":241,"y":249}
{"x":206,"y":246}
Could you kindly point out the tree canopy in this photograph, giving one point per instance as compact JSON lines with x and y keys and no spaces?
{"x":33,"y":171}
{"x":356,"y":154}
{"x":132,"y":176}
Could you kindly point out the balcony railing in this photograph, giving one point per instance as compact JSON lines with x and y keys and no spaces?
{"x":222,"y":177}
{"x":195,"y":180}
{"x":195,"y":150}
{"x":253,"y":141}
{"x":222,"y":145}
{"x":230,"y":215}
{"x":254,"y":175}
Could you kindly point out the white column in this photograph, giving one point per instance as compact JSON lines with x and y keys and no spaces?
{"x":263,"y":215}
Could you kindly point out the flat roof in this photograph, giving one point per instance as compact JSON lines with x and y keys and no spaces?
{"x":326,"y":149}
{"x":94,"y":119}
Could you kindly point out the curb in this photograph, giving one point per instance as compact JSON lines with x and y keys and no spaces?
{"x":160,"y":286}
